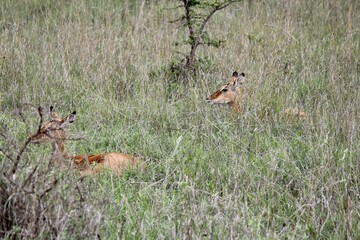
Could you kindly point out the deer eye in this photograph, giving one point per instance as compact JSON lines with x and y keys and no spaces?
{"x":224,"y":90}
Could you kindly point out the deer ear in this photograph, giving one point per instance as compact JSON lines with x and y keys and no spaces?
{"x":71,"y":117}
{"x":68,"y":119}
{"x":240,"y":80}
{"x":53,"y":114}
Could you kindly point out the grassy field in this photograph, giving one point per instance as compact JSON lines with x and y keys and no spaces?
{"x":205,"y":173}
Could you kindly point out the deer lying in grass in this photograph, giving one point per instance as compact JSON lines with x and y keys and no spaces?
{"x":54,"y":132}
{"x":231,"y":95}
{"x":293,"y":112}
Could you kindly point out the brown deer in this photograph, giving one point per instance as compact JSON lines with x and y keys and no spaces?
{"x":54,"y":132}
{"x":229,"y":93}
{"x":293,"y":112}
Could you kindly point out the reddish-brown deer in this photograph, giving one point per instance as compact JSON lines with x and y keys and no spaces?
{"x":229,"y":93}
{"x":54,"y":132}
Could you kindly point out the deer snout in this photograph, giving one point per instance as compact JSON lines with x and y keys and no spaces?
{"x":210,"y":101}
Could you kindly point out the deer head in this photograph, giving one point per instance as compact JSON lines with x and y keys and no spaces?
{"x":229,"y":93}
{"x":54,"y":131}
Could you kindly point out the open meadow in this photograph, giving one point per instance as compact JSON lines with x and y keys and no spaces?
{"x":205,"y":173}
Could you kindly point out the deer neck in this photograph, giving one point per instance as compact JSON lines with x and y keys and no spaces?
{"x":235,"y":104}
{"x":57,"y":148}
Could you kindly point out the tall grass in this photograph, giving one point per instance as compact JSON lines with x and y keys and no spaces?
{"x":205,"y":172}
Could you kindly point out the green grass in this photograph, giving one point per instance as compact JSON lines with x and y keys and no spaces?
{"x":206,"y":173}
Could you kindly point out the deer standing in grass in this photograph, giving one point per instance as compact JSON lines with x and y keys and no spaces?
{"x":229,"y":93}
{"x":54,"y":132}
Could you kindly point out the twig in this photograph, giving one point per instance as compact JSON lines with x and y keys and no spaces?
{"x":6,"y":155}
{"x":196,"y":37}
{"x":61,"y":138}
{"x":53,"y":184}
{"x":81,"y":196}
{"x":28,"y":178}
{"x":18,"y":157}
{"x":41,"y":119}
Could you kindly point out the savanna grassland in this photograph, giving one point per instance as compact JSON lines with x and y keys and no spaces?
{"x":205,"y":173}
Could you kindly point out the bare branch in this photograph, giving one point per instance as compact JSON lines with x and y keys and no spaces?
{"x":53,"y":184}
{"x":29,"y":177}
{"x":80,"y":194}
{"x":23,"y":148}
{"x":61,"y":138}
{"x":217,"y":8}
{"x":177,"y":20}
{"x":76,"y":138}
{"x":6,"y":155}
{"x":41,"y":118}
{"x":195,"y":37}
{"x":173,"y":8}
{"x":188,"y":18}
